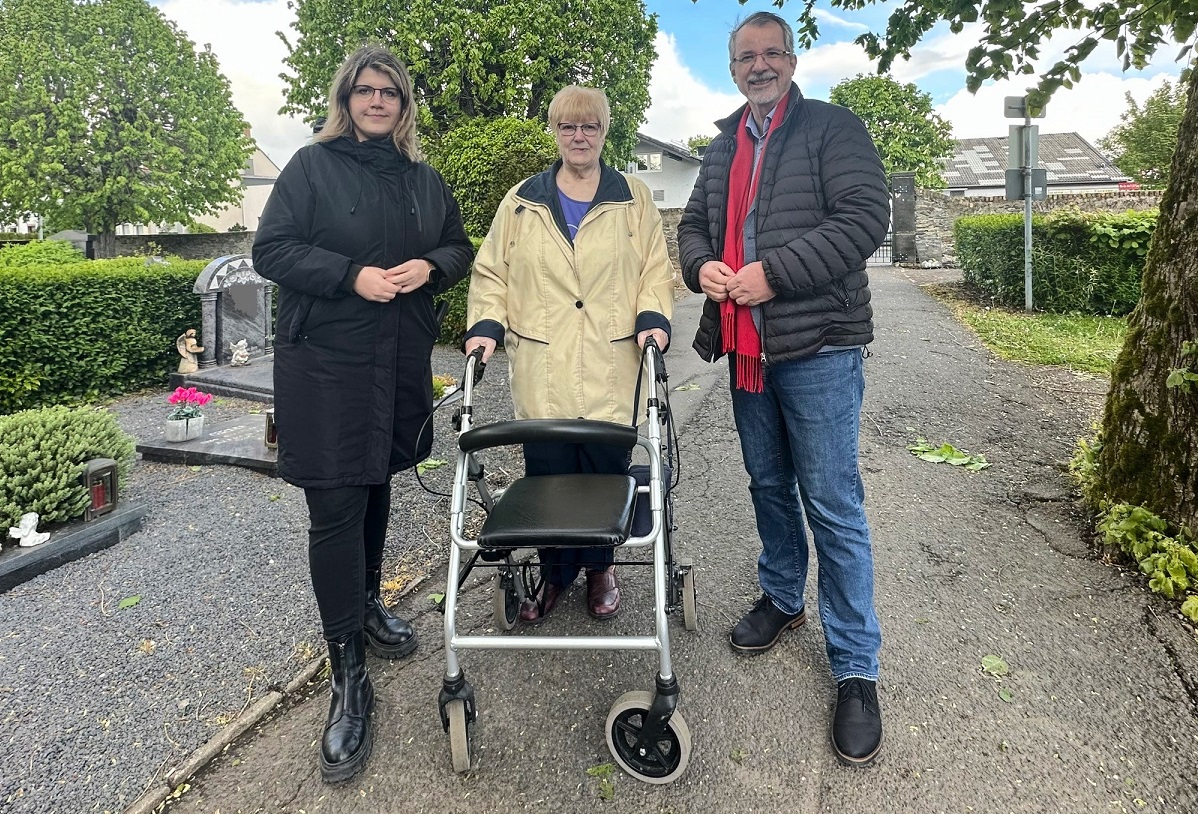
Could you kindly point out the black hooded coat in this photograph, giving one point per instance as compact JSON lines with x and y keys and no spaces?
{"x":353,"y":379}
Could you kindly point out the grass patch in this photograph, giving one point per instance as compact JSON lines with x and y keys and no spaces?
{"x":1081,"y":343}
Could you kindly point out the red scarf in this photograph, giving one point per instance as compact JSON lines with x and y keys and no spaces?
{"x":736,"y":321}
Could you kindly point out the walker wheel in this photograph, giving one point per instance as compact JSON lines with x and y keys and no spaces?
{"x":660,"y":762}
{"x":459,"y":735}
{"x":506,"y":601}
{"x":690,"y":601}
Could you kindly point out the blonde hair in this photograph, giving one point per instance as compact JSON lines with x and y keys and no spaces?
{"x":380,"y":59}
{"x":580,"y":104}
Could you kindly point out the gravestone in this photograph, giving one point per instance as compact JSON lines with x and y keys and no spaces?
{"x":902,"y":209}
{"x":236,"y":304}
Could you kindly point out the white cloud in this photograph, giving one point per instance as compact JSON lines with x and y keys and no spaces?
{"x":831,"y":20}
{"x":251,"y":57}
{"x":682,"y":106}
{"x":1092,"y":107}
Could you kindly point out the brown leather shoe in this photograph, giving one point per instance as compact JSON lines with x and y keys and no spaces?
{"x":603,"y":593}
{"x":533,"y":615}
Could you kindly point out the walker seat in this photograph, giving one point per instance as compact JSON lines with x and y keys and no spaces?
{"x":562,"y":511}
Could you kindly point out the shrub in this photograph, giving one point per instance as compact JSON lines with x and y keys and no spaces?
{"x":42,"y":456}
{"x":98,"y":328}
{"x":1081,"y":262}
{"x":40,"y":253}
{"x":481,"y":159}
{"x":453,"y":327}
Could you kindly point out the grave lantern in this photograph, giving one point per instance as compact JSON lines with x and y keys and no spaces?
{"x":99,"y":478}
{"x":272,"y":435}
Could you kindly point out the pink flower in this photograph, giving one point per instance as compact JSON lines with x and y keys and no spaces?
{"x":188,"y":402}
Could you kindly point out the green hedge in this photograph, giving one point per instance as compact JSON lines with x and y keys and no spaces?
{"x":42,"y":455}
{"x":453,"y":328}
{"x":40,"y":253}
{"x":1088,"y":262}
{"x":96,"y":328}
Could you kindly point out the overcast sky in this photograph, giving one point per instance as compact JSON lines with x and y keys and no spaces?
{"x":690,"y":85}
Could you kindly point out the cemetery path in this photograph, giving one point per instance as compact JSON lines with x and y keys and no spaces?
{"x":1097,"y":712}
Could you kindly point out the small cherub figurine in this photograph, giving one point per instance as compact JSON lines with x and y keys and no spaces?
{"x":241,"y":353}
{"x":188,"y":349}
{"x":26,"y":531}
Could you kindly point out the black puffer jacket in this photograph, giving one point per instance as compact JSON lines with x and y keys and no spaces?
{"x":353,"y":381}
{"x":823,"y":207}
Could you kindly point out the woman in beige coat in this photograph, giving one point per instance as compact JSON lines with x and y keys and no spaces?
{"x":573,"y":277}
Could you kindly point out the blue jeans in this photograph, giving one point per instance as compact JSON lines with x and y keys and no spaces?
{"x":799,"y":441}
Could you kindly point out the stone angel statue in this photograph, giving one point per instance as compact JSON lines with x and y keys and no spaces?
{"x":26,"y":531}
{"x":241,"y":353}
{"x":189,"y":349}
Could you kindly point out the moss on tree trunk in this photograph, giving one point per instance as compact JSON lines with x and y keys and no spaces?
{"x":1150,"y":432}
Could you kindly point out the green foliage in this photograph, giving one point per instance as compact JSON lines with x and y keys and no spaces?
{"x":1143,"y":145}
{"x":453,"y":327}
{"x":201,"y":229}
{"x":1081,"y":262}
{"x":482,"y":159}
{"x":1184,"y":378}
{"x":110,"y":114}
{"x":484,"y":58}
{"x":948,"y":454}
{"x":695,"y":142}
{"x":1084,"y":467}
{"x":1170,"y":562}
{"x":92,"y":329}
{"x":40,"y":253}
{"x":909,"y":134}
{"x":1014,"y":32}
{"x":42,"y":455}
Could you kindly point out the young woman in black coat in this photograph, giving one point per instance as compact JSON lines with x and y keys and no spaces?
{"x":359,"y":235}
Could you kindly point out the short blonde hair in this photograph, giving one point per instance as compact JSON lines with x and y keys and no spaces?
{"x":579,"y":104}
{"x":339,"y":122}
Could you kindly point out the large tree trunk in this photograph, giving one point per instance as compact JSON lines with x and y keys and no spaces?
{"x":1150,"y":432}
{"x":104,"y":244}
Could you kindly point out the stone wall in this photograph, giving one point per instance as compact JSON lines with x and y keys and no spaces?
{"x":189,"y":247}
{"x":669,"y":225}
{"x":935,"y":214}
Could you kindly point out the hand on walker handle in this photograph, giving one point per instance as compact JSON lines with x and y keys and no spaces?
{"x":484,"y":342}
{"x":713,"y":279}
{"x":659,"y":336}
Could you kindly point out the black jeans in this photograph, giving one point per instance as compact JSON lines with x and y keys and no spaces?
{"x":561,"y":565}
{"x":348,"y":526}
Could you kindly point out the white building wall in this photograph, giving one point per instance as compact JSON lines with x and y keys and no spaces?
{"x":673,"y":184}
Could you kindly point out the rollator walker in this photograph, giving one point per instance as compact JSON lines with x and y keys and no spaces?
{"x":646,"y":734}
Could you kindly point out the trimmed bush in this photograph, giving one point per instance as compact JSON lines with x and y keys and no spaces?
{"x":481,"y":159}
{"x":40,"y":253}
{"x":1088,"y":262}
{"x":97,"y":328}
{"x":453,"y":327}
{"x":42,"y":455}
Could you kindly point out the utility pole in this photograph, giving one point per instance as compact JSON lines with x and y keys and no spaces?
{"x":1024,"y":179}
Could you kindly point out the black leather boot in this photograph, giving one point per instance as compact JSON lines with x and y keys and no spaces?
{"x":387,"y":636}
{"x":346,"y":743}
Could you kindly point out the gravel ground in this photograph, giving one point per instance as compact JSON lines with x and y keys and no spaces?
{"x":98,"y":703}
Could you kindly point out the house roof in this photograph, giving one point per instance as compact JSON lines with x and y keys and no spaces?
{"x":676,"y":150}
{"x":1068,"y":158}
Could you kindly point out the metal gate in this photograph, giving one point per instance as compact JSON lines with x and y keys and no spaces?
{"x":884,"y":255}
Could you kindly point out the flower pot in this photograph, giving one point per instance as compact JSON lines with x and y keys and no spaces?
{"x":184,"y":429}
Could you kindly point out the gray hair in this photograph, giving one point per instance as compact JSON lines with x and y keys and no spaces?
{"x":763,"y":18}
{"x":380,"y":59}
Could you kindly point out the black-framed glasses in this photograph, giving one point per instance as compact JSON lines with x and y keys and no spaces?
{"x":368,"y":92}
{"x":773,"y":55}
{"x":569,"y":128}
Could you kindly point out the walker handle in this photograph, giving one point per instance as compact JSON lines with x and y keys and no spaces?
{"x":479,"y":365}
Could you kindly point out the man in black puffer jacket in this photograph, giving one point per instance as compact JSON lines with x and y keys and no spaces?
{"x":791,"y":200}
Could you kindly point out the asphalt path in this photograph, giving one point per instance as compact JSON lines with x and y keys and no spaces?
{"x":1098,"y":711}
